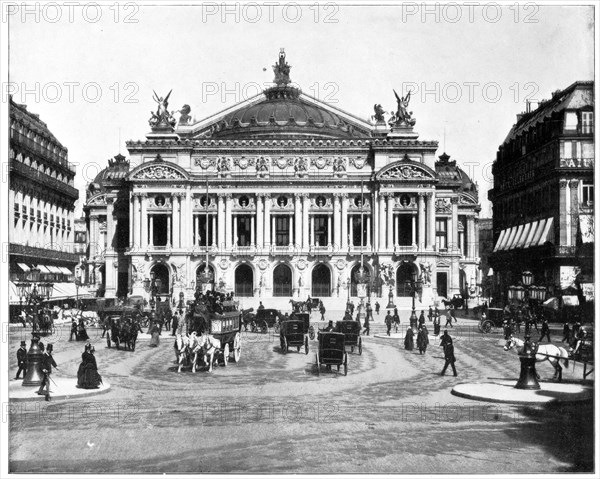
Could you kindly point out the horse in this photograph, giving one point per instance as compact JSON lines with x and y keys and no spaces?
{"x":181,"y":350}
{"x":209,"y":346}
{"x":545,"y":352}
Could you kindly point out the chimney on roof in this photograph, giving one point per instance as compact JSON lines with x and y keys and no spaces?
{"x":529,"y":105}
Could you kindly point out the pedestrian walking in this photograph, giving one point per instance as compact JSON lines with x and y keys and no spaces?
{"x":369,"y":311}
{"x":436,"y":324}
{"x":422,"y":339}
{"x":396,"y":319}
{"x":453,"y":313}
{"x":367,"y":328}
{"x":449,"y":357}
{"x":422,"y":318}
{"x":377,"y":307}
{"x":47,"y":363}
{"x":322,"y":311}
{"x":430,"y":314}
{"x":545,"y":331}
{"x":409,"y":340}
{"x":388,"y":322}
{"x":448,"y":319}
{"x":22,"y":360}
{"x":87,"y":374}
{"x":73,"y":330}
{"x":176,"y":319}
{"x":566,"y":333}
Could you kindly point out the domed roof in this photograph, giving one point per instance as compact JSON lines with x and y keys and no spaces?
{"x":450,"y":173}
{"x":117,"y":170}
{"x":284,"y":113}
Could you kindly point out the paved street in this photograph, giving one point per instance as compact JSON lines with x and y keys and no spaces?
{"x":272,"y":413}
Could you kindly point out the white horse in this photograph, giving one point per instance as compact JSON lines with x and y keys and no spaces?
{"x":209,"y":345}
{"x":181,"y":349}
{"x":545,"y":352}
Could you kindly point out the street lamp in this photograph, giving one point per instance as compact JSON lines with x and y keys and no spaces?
{"x":413,"y":285}
{"x":205,"y":278}
{"x":77,"y":286}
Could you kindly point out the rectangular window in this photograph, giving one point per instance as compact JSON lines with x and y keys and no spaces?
{"x":587,"y":193}
{"x":320,"y":231}
{"x":282,"y":230}
{"x":201,"y":235}
{"x":243,"y":231}
{"x":356,"y":227}
{"x":587,"y":120}
{"x":441,"y":234}
{"x":573,"y":149}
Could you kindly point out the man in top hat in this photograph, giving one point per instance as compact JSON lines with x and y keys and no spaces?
{"x":47,"y":363}
{"x":330,"y":326}
{"x":22,"y":360}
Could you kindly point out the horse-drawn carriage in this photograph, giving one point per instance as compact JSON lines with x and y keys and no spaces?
{"x":44,"y":325}
{"x":351,"y":331}
{"x":332,"y":351}
{"x":294,"y":332}
{"x":214,"y":334}
{"x":261,"y":321}
{"x":494,"y":319}
{"x":122,"y":331}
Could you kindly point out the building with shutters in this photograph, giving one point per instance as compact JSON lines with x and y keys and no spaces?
{"x":288,"y":196}
{"x":543,"y":195}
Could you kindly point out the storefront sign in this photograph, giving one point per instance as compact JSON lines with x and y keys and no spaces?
{"x":577,"y":162}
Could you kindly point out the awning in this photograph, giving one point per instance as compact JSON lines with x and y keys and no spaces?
{"x":547,"y":232}
{"x":54,"y":269}
{"x":64,"y":270}
{"x":511,"y":238}
{"x":500,"y":239}
{"x":24,"y":267}
{"x":515,"y":240}
{"x":551,"y":303}
{"x":520,"y":243}
{"x":43,"y":269}
{"x":509,"y":233}
{"x":532,"y":232}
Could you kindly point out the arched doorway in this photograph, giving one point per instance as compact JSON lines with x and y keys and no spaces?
{"x":321,"y":281}
{"x":161,"y":271}
{"x":244,"y":281}
{"x":200,"y":269}
{"x":405,"y":273}
{"x":282,"y":281}
{"x":353,"y":290}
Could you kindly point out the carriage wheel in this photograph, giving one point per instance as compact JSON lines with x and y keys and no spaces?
{"x":360,"y":346}
{"x":486,"y":327}
{"x":318,"y":365}
{"x":345,"y":364}
{"x":226,"y":354}
{"x":311,"y":333}
{"x":264,"y":327}
{"x":237,"y":348}
{"x":305,"y":345}
{"x":108,"y":340}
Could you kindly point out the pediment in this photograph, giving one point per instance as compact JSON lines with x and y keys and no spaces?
{"x":405,"y":171}
{"x":158,"y":171}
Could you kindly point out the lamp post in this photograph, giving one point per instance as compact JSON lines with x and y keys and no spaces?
{"x":527,"y":293}
{"x":413,"y":285}
{"x":34,"y":293}
{"x":77,"y":286}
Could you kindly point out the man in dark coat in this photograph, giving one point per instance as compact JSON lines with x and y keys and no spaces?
{"x":422,"y":339}
{"x":430,"y":314}
{"x":367,"y":319}
{"x":545,"y":331}
{"x":347,"y":316}
{"x":388,"y":322}
{"x":448,"y":353}
{"x":409,"y":343}
{"x":377,"y":307}
{"x":422,"y":318}
{"x":73,"y":331}
{"x":46,"y":364}
{"x":22,"y":360}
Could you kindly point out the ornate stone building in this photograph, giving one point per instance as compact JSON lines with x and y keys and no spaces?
{"x":298,"y":192}
{"x":42,"y":200}
{"x":543,"y":195}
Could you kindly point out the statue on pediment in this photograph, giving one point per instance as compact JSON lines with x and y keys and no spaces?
{"x":402,"y":117}
{"x":282,"y":70}
{"x":185,"y":118}
{"x":379,"y":114}
{"x":162,"y":118}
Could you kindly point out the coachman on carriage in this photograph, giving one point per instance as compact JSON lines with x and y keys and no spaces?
{"x":123,"y":331}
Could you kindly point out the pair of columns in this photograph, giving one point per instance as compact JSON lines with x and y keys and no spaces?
{"x":424,"y":237}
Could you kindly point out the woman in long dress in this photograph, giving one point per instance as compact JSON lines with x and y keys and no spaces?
{"x":87,"y":375}
{"x":422,"y":339}
{"x":408,"y":340}
{"x":154,"y":340}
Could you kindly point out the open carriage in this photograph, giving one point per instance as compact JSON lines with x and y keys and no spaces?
{"x":351,"y":331}
{"x":332,"y":351}
{"x":294,"y":333}
{"x":122,"y":331}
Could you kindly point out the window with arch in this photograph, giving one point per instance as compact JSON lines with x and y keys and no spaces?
{"x":282,"y":281}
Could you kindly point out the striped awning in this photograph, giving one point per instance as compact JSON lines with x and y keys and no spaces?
{"x":43,"y":269}
{"x":527,"y":235}
{"x":64,"y":270}
{"x":54,"y":269}
{"x":24,"y":267}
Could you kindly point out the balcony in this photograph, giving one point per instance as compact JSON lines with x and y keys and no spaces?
{"x":43,"y":180}
{"x":289,"y":250}
{"x":156,"y":250}
{"x":36,"y":254}
{"x":317,"y":250}
{"x":243,"y":251}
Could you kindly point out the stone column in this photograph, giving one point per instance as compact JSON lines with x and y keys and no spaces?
{"x":312,"y":230}
{"x":273,"y":231}
{"x":328,"y":230}
{"x":382,"y":222}
{"x":187,"y":211}
{"x":351,"y":231}
{"x":336,"y":222}
{"x":297,"y":239}
{"x":221,"y":222}
{"x":213,"y":220}
{"x":574,"y":200}
{"x":291,"y":230}
{"x":414,"y":229}
{"x":151,"y":233}
{"x":144,"y":219}
{"x":344,"y":222}
{"x":267,"y":220}
{"x":175,"y":216}
{"x":396,"y":233}
{"x":94,"y":247}
{"x":454,"y":229}
{"x":390,"y":221}
{"x":235,"y":231}
{"x":134,"y":231}
{"x":430,"y":221}
{"x":228,"y":205}
{"x":110,"y":223}
{"x":471,"y":240}
{"x":259,"y":221}
{"x":169,"y":231}
{"x":421,"y":212}
{"x":305,"y":208}
{"x":252,"y":238}
{"x":368,"y":245}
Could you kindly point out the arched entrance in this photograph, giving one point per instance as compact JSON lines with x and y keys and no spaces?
{"x":353,"y":290}
{"x":244,"y":281}
{"x":200,"y":269}
{"x":321,"y":281}
{"x":405,"y":273}
{"x":282,"y":281}
{"x":161,"y":271}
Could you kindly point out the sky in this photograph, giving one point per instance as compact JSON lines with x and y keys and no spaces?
{"x":89,"y":72}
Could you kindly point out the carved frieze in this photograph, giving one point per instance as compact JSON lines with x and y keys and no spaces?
{"x":159,"y":172}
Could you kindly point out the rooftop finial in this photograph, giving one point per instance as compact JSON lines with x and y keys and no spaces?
{"x":282,"y":70}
